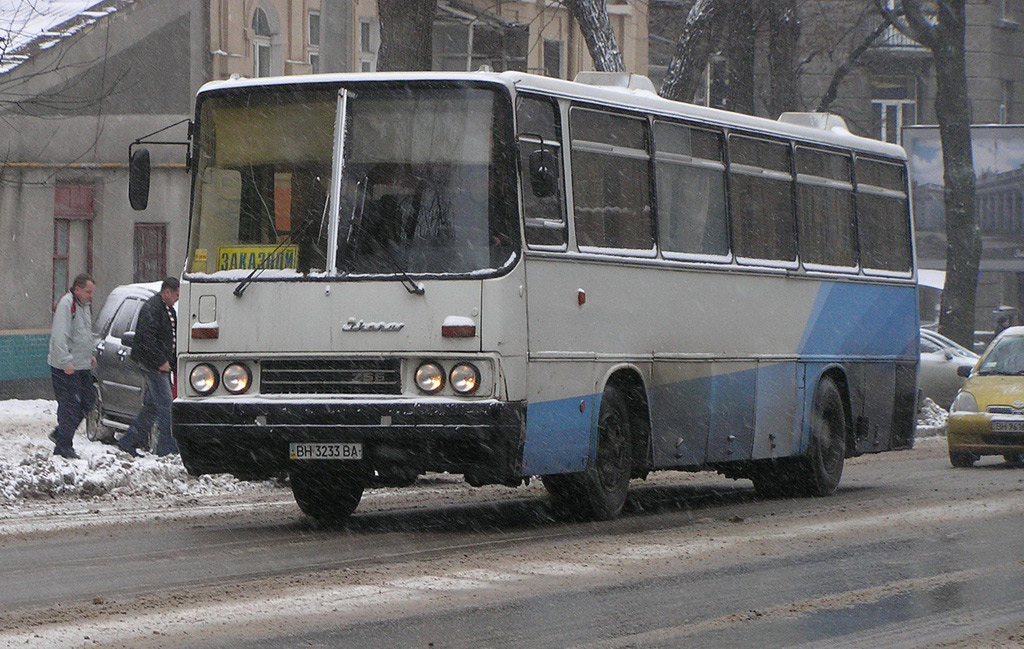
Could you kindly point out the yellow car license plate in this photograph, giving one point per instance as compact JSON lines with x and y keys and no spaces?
{"x":325,"y":451}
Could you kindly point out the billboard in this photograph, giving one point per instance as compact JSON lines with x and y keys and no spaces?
{"x":999,"y":200}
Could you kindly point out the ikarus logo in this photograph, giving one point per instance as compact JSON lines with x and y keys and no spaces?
{"x":354,"y":324}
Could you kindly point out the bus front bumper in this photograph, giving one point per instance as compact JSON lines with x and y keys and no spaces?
{"x":400,"y":440}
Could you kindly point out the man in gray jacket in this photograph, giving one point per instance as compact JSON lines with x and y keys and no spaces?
{"x":71,"y":359}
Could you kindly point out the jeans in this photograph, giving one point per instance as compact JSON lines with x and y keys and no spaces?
{"x":156,"y":408}
{"x":75,"y":396}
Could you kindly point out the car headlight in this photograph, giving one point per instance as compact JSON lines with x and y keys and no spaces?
{"x":237,"y":378}
{"x":465,"y":378}
{"x":429,"y":377}
{"x":964,"y":402}
{"x":203,"y":378}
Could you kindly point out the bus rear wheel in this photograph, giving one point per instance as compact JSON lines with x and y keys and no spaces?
{"x":818,"y":473}
{"x":329,"y":495}
{"x":599,"y":492}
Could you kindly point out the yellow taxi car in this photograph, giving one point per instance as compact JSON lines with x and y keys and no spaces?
{"x":987,"y":416}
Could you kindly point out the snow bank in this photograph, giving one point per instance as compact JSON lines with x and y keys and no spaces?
{"x":931,"y":419}
{"x":29,"y":470}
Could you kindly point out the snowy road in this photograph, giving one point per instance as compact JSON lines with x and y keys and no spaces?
{"x":910,"y":553}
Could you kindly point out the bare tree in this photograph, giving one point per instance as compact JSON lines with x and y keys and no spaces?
{"x":406,"y":28}
{"x":848,"y":65}
{"x":784,"y":39}
{"x":698,"y":40}
{"x":946,"y":40}
{"x":592,"y":17}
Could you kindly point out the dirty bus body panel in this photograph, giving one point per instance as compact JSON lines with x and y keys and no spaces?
{"x":502,"y":275}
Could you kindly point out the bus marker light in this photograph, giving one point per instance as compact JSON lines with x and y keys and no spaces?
{"x":581,"y":296}
{"x":458,"y":327}
{"x":201,"y":331}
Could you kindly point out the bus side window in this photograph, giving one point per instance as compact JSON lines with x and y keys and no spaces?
{"x":882,"y":221}
{"x":611,"y":183}
{"x":824,"y":208}
{"x":540,"y":131}
{"x":690,"y":180}
{"x":761,"y":189}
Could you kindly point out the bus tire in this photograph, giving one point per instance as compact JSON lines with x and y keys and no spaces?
{"x":819,"y":472}
{"x":329,"y":496}
{"x":599,"y":492}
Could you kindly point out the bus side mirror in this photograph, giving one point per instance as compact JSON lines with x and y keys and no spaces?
{"x":128,"y":339}
{"x":138,"y":179}
{"x":543,"y":173}
{"x":964,"y":371}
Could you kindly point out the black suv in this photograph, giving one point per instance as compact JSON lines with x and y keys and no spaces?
{"x":119,"y":380}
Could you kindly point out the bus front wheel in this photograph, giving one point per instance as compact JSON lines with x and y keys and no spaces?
{"x":328,"y":495}
{"x":599,"y":492}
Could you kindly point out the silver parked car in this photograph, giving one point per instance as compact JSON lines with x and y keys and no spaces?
{"x":119,"y":380}
{"x":940,"y":358}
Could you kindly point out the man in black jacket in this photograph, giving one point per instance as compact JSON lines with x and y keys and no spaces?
{"x":154,"y":350}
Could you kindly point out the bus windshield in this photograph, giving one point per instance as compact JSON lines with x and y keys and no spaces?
{"x":427,"y":186}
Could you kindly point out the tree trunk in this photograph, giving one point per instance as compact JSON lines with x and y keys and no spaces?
{"x":963,"y":237}
{"x":592,"y":17}
{"x":406,"y":29}
{"x":741,"y":42}
{"x":784,"y":37}
{"x":700,"y":36}
{"x":946,"y":40}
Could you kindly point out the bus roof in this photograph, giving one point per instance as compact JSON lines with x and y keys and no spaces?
{"x":623,"y":97}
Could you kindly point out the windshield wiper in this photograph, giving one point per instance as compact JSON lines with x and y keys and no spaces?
{"x":240,"y":289}
{"x":408,"y":282}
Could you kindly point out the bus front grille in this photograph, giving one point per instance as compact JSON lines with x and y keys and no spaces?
{"x":331,"y":376}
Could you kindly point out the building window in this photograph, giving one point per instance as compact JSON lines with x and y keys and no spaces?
{"x":894,"y":102}
{"x":553,"y":59}
{"x":464,"y":42}
{"x":261,"y":43}
{"x":150,"y":252}
{"x":369,"y":43}
{"x":73,"y":212}
{"x":1010,"y":11}
{"x":314,"y":40}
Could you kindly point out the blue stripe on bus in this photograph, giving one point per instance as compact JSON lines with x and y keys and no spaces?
{"x":862,"y":319}
{"x":558,"y":435}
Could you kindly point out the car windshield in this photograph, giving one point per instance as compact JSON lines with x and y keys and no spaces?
{"x":1005,"y":357}
{"x":427,"y":184}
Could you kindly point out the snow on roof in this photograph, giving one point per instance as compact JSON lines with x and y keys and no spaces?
{"x":27,"y":28}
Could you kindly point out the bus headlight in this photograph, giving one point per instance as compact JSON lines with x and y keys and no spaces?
{"x":465,"y":378}
{"x":237,"y":378}
{"x":203,"y":378}
{"x":429,"y":377}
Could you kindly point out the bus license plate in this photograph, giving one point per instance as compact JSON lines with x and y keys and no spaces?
{"x":1007,"y":426}
{"x":325,"y":451}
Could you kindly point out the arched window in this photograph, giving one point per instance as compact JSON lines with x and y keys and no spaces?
{"x":261,"y":43}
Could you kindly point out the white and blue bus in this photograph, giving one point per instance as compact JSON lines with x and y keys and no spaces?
{"x":504,"y":276}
